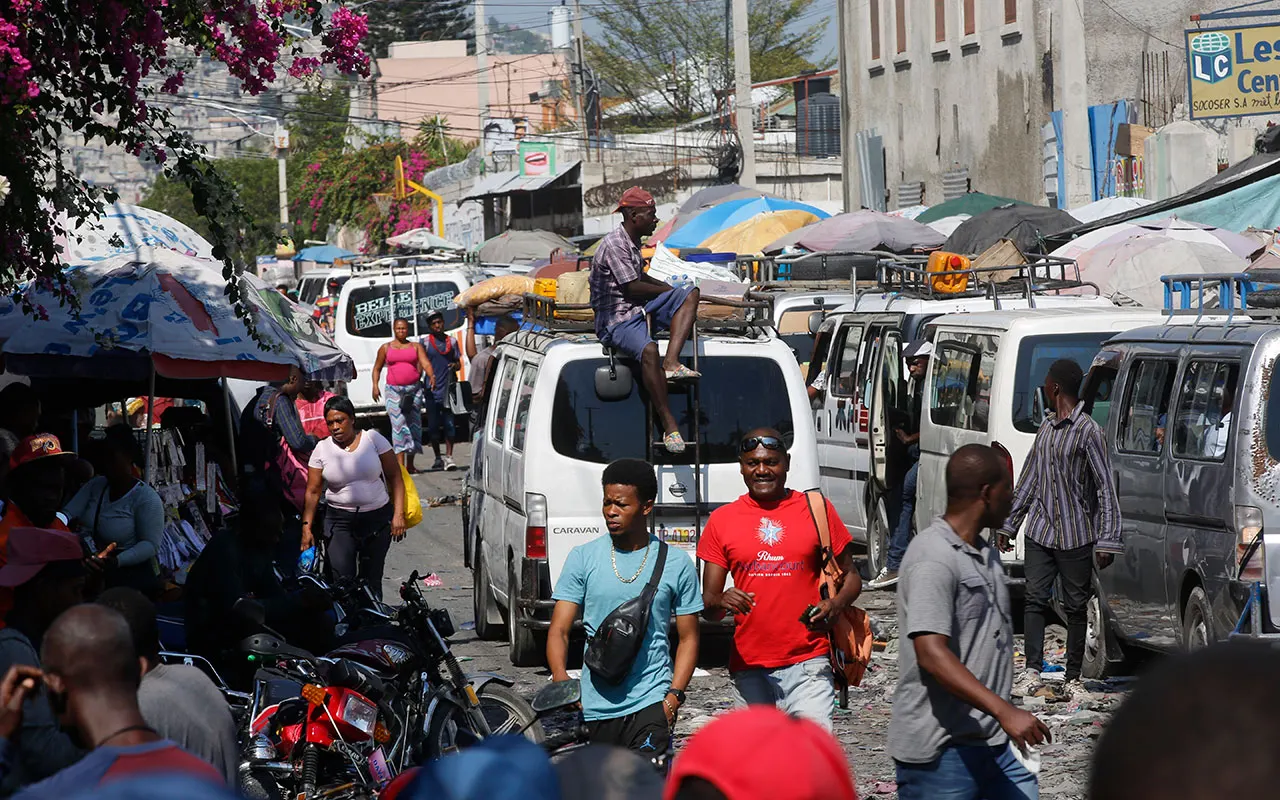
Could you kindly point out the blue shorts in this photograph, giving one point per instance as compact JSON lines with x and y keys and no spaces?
{"x":630,"y":337}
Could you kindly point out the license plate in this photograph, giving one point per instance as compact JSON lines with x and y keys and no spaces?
{"x":681,"y":533}
{"x":378,"y":768}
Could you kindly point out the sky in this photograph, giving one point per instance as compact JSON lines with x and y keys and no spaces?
{"x":534,"y":13}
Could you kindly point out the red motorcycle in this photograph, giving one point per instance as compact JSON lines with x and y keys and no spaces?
{"x":316,"y":729}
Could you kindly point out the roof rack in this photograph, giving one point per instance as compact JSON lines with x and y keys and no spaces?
{"x":825,"y":268}
{"x":908,"y":276}
{"x":1222,"y":295}
{"x":545,"y":313}
{"x":419,"y":260}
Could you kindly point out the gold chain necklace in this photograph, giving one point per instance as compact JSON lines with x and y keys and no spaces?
{"x":613,"y":558}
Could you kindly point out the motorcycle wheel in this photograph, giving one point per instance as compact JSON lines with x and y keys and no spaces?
{"x":504,"y":710}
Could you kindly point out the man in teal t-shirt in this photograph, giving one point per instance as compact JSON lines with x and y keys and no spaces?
{"x":601,"y":575}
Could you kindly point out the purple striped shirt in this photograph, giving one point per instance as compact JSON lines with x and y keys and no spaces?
{"x":1065,"y":492}
{"x":616,"y":263}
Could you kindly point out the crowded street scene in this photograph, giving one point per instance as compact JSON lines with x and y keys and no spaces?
{"x":757,"y":400}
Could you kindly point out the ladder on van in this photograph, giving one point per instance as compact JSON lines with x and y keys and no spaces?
{"x":656,"y":449}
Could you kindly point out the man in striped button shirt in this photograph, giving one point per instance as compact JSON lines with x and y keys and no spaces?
{"x":1067,"y":497}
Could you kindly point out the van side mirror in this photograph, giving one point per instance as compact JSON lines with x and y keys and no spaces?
{"x":614,"y":381}
{"x":815,"y":321}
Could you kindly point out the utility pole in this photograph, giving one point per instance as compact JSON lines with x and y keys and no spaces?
{"x":282,"y":156}
{"x":674,"y":89}
{"x":1076,"y":142}
{"x":577,"y":77}
{"x":742,"y":92}
{"x":482,"y":70}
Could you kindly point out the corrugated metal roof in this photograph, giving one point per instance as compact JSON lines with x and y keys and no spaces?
{"x":503,"y":183}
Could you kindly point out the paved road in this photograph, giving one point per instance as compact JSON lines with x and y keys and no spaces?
{"x":436,"y":546}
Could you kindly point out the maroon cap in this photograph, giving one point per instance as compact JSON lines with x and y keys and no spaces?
{"x":32,"y":549}
{"x":635,"y":197}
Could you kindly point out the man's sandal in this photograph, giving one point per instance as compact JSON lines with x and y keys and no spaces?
{"x":682,"y":373}
{"x":674,"y":442}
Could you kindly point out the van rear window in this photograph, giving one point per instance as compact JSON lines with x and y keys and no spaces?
{"x":738,"y":394}
{"x":1035,"y":355}
{"x":369,"y":314}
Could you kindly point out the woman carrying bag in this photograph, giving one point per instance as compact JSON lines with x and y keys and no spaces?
{"x":365,"y":494}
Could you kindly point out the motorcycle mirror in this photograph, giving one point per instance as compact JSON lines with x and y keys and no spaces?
{"x":251,"y":610}
{"x":557,"y":695}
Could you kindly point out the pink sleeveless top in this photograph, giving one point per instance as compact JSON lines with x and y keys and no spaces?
{"x":402,"y":366}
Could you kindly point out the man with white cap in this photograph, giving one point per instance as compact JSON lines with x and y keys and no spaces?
{"x":916,"y":354}
{"x":623,"y":297}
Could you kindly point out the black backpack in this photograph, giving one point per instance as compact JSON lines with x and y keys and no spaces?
{"x":613,"y":648}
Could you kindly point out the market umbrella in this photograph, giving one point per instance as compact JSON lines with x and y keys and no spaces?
{"x":714,"y":195}
{"x":323,"y":254}
{"x":861,"y":230}
{"x":971,"y":203}
{"x":751,"y":235}
{"x":1171,"y":227}
{"x":1025,"y":225}
{"x":1108,"y":207}
{"x":422,"y":239}
{"x":163,"y":313}
{"x":910,"y":212}
{"x":122,"y":228}
{"x":730,"y":213}
{"x":947,"y":225}
{"x":523,"y":247}
{"x":1129,"y":271}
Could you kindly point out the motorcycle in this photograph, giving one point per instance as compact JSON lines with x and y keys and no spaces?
{"x":439,"y":708}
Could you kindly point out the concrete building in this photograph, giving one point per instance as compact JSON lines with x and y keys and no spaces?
{"x":421,"y":80}
{"x":945,"y":95}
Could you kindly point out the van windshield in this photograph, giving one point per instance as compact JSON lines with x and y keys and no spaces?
{"x":368,"y":313}
{"x":738,"y":394}
{"x":1035,"y":354}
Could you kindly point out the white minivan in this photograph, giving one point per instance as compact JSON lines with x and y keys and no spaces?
{"x":983,"y":386}
{"x":371,"y":299}
{"x":858,"y":350}
{"x":556,"y":419}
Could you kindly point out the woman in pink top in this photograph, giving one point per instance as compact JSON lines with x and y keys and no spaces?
{"x":364,"y":494}
{"x":406,"y":363}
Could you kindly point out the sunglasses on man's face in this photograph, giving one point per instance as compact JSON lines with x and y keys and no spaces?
{"x":767,"y":442}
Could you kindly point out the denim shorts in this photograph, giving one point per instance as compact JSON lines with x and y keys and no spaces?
{"x":631,"y":336}
{"x":803,"y":690}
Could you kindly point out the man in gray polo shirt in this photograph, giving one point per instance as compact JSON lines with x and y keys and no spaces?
{"x":954,"y":729}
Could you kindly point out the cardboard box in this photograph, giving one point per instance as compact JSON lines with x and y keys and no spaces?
{"x":1130,"y":139}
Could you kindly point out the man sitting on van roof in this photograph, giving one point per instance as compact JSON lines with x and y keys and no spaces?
{"x":623,"y":296}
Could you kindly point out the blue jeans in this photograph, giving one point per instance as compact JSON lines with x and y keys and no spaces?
{"x":804,"y":690}
{"x":901,"y":536}
{"x":968,"y":772}
{"x":631,"y":336}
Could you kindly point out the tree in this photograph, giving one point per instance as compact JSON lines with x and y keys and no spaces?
{"x":417,"y":21}
{"x":255,"y":180}
{"x":102,"y":68}
{"x":517,"y":41}
{"x":641,"y":39}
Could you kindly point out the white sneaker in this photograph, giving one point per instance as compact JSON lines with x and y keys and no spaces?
{"x":1075,"y":688}
{"x":1025,"y":683}
{"x":884,"y":580}
{"x":449,"y":466}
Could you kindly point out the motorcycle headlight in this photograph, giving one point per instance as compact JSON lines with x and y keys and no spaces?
{"x":359,"y":714}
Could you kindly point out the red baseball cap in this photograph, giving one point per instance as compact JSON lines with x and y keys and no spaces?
{"x":32,"y":549}
{"x":760,"y":753}
{"x":36,"y":447}
{"x":635,"y":197}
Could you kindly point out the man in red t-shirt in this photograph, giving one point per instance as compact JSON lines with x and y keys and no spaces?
{"x":768,"y":540}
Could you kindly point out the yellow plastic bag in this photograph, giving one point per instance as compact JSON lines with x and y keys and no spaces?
{"x":412,"y":505}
